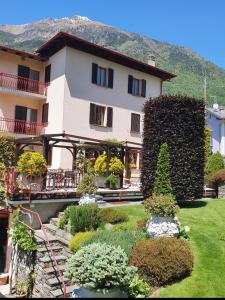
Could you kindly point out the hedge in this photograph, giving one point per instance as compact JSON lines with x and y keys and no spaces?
{"x":178,"y":121}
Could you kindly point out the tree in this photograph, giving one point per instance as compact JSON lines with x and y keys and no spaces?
{"x":7,"y":151}
{"x":214,"y":164}
{"x":162,"y":184}
{"x":208,"y":148}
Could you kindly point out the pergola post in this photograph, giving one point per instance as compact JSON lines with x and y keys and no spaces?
{"x":74,"y":156}
{"x":45,"y":154}
{"x":17,"y":153}
{"x":122,"y":155}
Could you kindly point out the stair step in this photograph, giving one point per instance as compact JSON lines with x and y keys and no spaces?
{"x":55,"y":281}
{"x":54,"y":221}
{"x":54,"y":270}
{"x":44,"y":249}
{"x":51,"y":228}
{"x":61,"y":234}
{"x":69,"y":290}
{"x":40,"y":237}
{"x":58,"y":258}
{"x":60,"y":214}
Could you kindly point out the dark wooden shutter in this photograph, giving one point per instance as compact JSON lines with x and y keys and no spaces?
{"x":135,"y":123}
{"x":94,"y":73}
{"x":20,"y":119}
{"x":111,"y":77}
{"x":109,"y":117}
{"x":92,"y":118}
{"x":47,"y":74}
{"x":143,"y":88}
{"x":130,"y":84}
{"x":23,"y":74}
{"x":45,"y":108}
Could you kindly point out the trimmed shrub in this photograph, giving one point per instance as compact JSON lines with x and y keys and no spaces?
{"x":100,"y":165}
{"x":162,"y":184}
{"x":161,"y":206}
{"x":84,"y":218}
{"x":87,"y":185}
{"x":178,"y":121}
{"x":116,"y":166}
{"x":64,"y":219}
{"x":214,"y":164}
{"x":100,"y":267}
{"x":141,"y":224}
{"x":125,"y":239}
{"x":113,"y":216}
{"x":7,"y":151}
{"x":79,"y":239}
{"x":32,"y":164}
{"x":162,"y":261}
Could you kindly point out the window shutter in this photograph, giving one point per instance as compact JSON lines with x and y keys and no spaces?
{"x":109,"y":117}
{"x":135,"y":123}
{"x":47,"y":74}
{"x":21,"y":113}
{"x":143,"y":88}
{"x":130,"y":84}
{"x":94,"y":73}
{"x":92,"y":118}
{"x":111,"y":77}
{"x":45,"y":113}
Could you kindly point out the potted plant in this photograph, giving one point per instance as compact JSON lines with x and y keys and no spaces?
{"x":163,"y":220}
{"x":31,"y":166}
{"x":101,"y":270}
{"x":112,"y":181}
{"x":87,"y":188}
{"x":21,"y":289}
{"x":4,"y":278}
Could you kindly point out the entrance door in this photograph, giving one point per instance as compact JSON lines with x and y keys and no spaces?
{"x":3,"y":242}
{"x":23,"y":76}
{"x":20,"y":119}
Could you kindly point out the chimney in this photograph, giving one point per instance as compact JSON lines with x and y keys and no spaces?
{"x":151,"y":60}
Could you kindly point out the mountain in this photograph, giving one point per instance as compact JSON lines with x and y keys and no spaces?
{"x":188,"y":65}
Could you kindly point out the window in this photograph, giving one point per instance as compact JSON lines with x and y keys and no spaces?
{"x":101,"y":115}
{"x":24,"y":120}
{"x":45,"y":113}
{"x":102,"y":76}
{"x":136,"y":87}
{"x":28,"y":79}
{"x":47,"y":74}
{"x":135,"y":123}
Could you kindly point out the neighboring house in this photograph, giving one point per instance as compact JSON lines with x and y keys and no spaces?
{"x":76,"y":87}
{"x":216,"y":122}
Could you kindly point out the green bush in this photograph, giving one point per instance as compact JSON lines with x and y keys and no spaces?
{"x":138,"y":288}
{"x":141,"y":224}
{"x":7,"y":151}
{"x":162,"y":184}
{"x":116,"y":167}
{"x":32,"y":164}
{"x":113,"y":216}
{"x":161,"y":206}
{"x":125,"y":239}
{"x":87,"y":185}
{"x":100,"y":267}
{"x":162,"y":261}
{"x":215,"y":163}
{"x":111,"y":181}
{"x":79,"y":239}
{"x":84,"y":218}
{"x":2,"y":193}
{"x":64,"y":219}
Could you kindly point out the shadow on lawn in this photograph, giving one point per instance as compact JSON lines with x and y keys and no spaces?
{"x":192,"y":204}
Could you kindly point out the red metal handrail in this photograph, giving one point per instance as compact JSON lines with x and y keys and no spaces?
{"x":36,"y":214}
{"x":23,"y":84}
{"x":20,"y":126}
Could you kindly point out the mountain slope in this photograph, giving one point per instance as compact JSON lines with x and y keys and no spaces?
{"x":189,"y":66}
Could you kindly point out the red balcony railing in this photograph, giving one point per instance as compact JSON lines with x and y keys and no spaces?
{"x":14,"y":82}
{"x":20,"y":127}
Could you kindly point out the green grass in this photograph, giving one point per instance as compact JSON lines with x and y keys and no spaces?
{"x":207,"y":222}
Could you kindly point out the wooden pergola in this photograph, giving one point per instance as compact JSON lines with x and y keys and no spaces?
{"x":73,"y":143}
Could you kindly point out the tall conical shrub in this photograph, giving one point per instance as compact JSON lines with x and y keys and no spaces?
{"x":162,"y":183}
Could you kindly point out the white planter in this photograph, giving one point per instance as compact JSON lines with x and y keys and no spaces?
{"x":163,"y":227}
{"x":91,"y":293}
{"x":100,"y":181}
{"x":87,"y":199}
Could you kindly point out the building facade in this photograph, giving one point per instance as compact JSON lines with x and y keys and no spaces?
{"x":76,"y":87}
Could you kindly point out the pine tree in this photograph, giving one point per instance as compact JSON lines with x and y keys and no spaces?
{"x":162,"y":183}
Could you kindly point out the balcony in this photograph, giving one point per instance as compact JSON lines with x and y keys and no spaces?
{"x":10,"y":82}
{"x":21,"y":127}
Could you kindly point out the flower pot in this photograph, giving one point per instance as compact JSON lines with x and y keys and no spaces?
{"x":91,"y":293}
{"x":20,"y":296}
{"x":4,"y":278}
{"x":100,"y":181}
{"x":163,"y":227}
{"x":87,"y":199}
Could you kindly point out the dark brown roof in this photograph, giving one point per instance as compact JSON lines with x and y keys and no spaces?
{"x":62,"y":39}
{"x":21,"y":53}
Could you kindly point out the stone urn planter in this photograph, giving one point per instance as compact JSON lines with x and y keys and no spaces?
{"x":100,"y":181}
{"x":4,"y":278}
{"x":90,"y":293}
{"x":88,"y":199}
{"x":163,"y":227}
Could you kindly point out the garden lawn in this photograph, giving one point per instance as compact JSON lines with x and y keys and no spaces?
{"x":207,"y":222}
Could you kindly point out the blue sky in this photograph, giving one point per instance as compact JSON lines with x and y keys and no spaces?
{"x":196,"y":24}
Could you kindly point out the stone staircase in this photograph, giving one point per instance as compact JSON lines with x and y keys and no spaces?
{"x":47,"y":283}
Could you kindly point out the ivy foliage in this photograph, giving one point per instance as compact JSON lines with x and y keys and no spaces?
{"x":162,"y":184}
{"x":178,"y":121}
{"x":21,"y":235}
{"x":7,"y":151}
